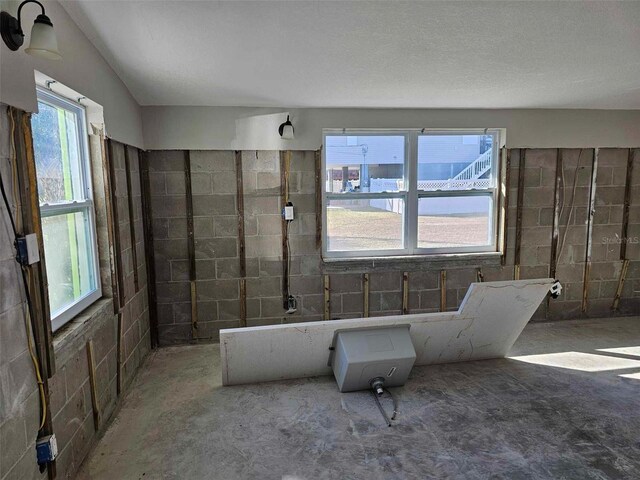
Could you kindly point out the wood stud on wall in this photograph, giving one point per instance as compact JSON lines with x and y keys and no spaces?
{"x":405,"y":293}
{"x":121,"y":300}
{"x":285,"y":165}
{"x":443,"y":290}
{"x":365,"y":295}
{"x":507,"y":186}
{"x":108,"y":192}
{"x":241,"y":240}
{"x":132,"y":227}
{"x":150,"y":264}
{"x":191,"y":246}
{"x":318,"y":193}
{"x":327,"y":298}
{"x":624,"y":235}
{"x":519,"y":207}
{"x":120,"y":355}
{"x":590,"y":214}
{"x":95,"y":405}
{"x":555,"y":226}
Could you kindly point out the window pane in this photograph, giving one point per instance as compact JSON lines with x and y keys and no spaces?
{"x":455,"y":162}
{"x":56,"y":148}
{"x":69,"y":259}
{"x":364,"y":163}
{"x":448,"y":222}
{"x":367,"y":224}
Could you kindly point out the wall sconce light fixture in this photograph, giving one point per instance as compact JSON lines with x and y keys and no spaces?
{"x":43,"y":38}
{"x":286,"y":130}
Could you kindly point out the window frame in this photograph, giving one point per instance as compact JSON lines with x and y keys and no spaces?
{"x":86,"y":205}
{"x":411,"y":195}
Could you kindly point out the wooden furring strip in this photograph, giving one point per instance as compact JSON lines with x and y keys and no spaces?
{"x":624,"y":235}
{"x":191,"y":246}
{"x":627,"y":205}
{"x":285,"y":165}
{"x":405,"y":293}
{"x":120,"y":354}
{"x":132,"y":227}
{"x":327,"y":298}
{"x":590,"y":214}
{"x":147,"y":222}
{"x":95,"y":402}
{"x":242,"y":254}
{"x":623,"y":276}
{"x":108,"y":191}
{"x":519,"y":207}
{"x":116,"y":227}
{"x":505,"y":200}
{"x":365,"y":295}
{"x":443,"y":290}
{"x":555,"y":228}
{"x":318,"y":184}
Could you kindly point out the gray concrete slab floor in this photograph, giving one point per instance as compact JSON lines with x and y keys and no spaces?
{"x":566,"y":404}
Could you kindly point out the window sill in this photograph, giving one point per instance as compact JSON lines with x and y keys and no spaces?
{"x":412,"y":262}
{"x":81,"y":328}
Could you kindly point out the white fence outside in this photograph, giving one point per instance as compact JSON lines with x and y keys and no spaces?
{"x":393,"y":185}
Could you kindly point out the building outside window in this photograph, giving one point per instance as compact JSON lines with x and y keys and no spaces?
{"x":415,"y":192}
{"x":60,"y":143}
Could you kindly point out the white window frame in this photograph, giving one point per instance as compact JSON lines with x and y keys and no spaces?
{"x":411,"y":195}
{"x":87,"y":205}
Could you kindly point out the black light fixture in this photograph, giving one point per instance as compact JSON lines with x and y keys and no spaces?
{"x":43,"y":38}
{"x":286,"y":130}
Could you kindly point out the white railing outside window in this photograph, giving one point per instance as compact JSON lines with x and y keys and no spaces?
{"x":412,"y":192}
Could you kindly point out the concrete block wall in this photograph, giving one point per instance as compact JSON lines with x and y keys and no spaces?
{"x":169,"y":207}
{"x":215,"y":217}
{"x":135,"y":305}
{"x":537,"y":221}
{"x":70,"y":396}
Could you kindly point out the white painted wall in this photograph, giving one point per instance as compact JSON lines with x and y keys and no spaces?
{"x":222,"y":128}
{"x":82,"y":68}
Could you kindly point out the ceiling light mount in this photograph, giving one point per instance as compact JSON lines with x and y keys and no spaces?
{"x":286,"y":130}
{"x":43,"y":38}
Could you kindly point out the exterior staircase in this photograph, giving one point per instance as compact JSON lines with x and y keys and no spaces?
{"x":477,"y":168}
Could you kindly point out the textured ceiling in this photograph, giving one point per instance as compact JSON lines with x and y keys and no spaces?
{"x":451,"y":54}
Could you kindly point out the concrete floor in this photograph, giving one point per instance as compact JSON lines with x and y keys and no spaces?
{"x":564,"y":408}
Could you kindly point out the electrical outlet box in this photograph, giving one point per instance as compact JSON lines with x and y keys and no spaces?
{"x":27,"y":249}
{"x":362,"y":355}
{"x":32,"y":248}
{"x":287,"y":213}
{"x":46,"y":449}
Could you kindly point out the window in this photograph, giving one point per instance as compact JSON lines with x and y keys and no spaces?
{"x":413,"y":192}
{"x":60,"y":144}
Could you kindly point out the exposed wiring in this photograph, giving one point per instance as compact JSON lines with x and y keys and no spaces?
{"x":395,"y":404}
{"x":288,"y":261}
{"x":36,"y":367}
{"x":386,"y":417}
{"x":29,"y":318}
